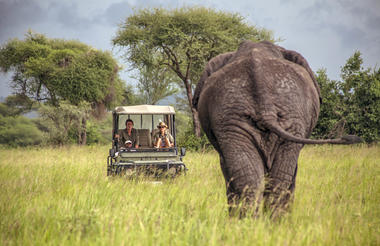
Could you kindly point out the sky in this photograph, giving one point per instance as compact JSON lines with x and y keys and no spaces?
{"x":325,"y":32}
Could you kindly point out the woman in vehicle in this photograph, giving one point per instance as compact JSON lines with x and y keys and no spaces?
{"x":163,"y":139}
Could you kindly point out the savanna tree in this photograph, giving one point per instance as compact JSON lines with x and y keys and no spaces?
{"x":52,"y":70}
{"x":183,"y":40}
{"x":155,"y":84}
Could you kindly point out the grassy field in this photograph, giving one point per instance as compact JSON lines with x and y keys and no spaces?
{"x":61,"y":196}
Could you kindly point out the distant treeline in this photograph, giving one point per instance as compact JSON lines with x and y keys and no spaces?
{"x":72,"y":85}
{"x":349,"y":106}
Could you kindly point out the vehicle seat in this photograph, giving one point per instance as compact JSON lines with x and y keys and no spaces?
{"x":145,"y":138}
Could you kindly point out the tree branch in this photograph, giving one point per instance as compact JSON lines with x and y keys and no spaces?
{"x":175,"y":65}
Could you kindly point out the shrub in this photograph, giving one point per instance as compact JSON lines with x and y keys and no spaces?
{"x":192,"y":142}
{"x":19,"y":131}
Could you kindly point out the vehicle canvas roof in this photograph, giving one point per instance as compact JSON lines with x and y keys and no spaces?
{"x":145,"y":109}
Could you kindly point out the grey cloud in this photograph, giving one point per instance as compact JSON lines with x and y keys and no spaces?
{"x":351,"y":37}
{"x":117,"y":12}
{"x":348,"y":21}
{"x":68,"y":16}
{"x":316,"y":16}
{"x":18,"y":15}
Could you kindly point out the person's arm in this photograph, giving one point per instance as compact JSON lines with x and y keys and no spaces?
{"x":119,"y":137}
{"x":137,"y":139}
{"x":157,"y":140}
{"x":171,"y":140}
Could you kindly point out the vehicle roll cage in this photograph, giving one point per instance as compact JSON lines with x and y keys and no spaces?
{"x":115,"y":128}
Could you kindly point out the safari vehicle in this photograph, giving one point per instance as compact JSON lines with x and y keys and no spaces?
{"x":146,"y":158}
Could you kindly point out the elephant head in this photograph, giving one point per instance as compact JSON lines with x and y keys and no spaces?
{"x":258,"y":106}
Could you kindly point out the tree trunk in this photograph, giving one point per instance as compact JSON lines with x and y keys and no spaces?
{"x":196,"y":122}
{"x":83,"y":132}
{"x":194,"y":112}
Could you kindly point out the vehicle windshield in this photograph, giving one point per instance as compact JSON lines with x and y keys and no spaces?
{"x":145,"y":121}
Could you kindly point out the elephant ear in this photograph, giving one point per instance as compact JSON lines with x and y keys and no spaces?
{"x":212,"y":66}
{"x":297,"y":58}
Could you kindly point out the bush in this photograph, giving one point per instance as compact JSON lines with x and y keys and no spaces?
{"x":350,"y":106}
{"x":192,"y":142}
{"x":19,"y":131}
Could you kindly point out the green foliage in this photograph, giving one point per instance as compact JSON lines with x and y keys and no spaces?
{"x":330,"y":111}
{"x":183,"y":40}
{"x":19,"y":131}
{"x":190,"y":141}
{"x":130,"y":97}
{"x":64,"y":125}
{"x":16,"y":130}
{"x":189,"y":37}
{"x":16,"y":105}
{"x":104,"y":128}
{"x":182,"y":120}
{"x":93,"y":134}
{"x":361,"y":95}
{"x":61,"y":121}
{"x":4,"y":110}
{"x":155,"y":84}
{"x":54,"y":69}
{"x":352,"y":106}
{"x":92,"y":78}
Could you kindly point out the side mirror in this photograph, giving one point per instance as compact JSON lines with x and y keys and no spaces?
{"x":112,"y":152}
{"x":183,"y":151}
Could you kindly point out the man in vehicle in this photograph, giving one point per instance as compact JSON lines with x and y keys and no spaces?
{"x":129,"y":133}
{"x":162,"y":138}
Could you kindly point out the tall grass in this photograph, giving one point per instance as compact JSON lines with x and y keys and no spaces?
{"x":62,"y":196}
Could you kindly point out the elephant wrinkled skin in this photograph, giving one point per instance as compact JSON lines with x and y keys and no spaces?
{"x":258,"y":106}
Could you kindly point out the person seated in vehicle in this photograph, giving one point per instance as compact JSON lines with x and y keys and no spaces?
{"x":129,"y":133}
{"x":163,"y":139}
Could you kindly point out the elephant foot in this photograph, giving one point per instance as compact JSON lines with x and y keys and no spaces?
{"x":245,"y":204}
{"x":277,"y":201}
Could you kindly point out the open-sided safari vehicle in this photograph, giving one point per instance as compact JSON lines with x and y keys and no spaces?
{"x":146,"y":157}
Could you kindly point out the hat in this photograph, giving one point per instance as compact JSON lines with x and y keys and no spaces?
{"x":128,"y":142}
{"x":162,"y":124}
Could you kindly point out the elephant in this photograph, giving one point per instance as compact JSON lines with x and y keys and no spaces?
{"x":258,"y":107}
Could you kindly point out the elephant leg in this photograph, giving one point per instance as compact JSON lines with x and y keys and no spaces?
{"x":281,"y":179}
{"x":244,"y":180}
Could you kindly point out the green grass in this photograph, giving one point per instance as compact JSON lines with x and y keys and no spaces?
{"x":61,"y":196}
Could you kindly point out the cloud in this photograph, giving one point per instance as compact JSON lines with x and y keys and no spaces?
{"x":117,"y":12}
{"x":15,"y":16}
{"x":68,"y":16}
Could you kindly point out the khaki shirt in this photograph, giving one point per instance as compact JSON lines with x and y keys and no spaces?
{"x":158,"y":135}
{"x":134,"y":137}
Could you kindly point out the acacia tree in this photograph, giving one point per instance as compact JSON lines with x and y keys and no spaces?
{"x":52,"y":70}
{"x":183,"y":40}
{"x":155,"y":84}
